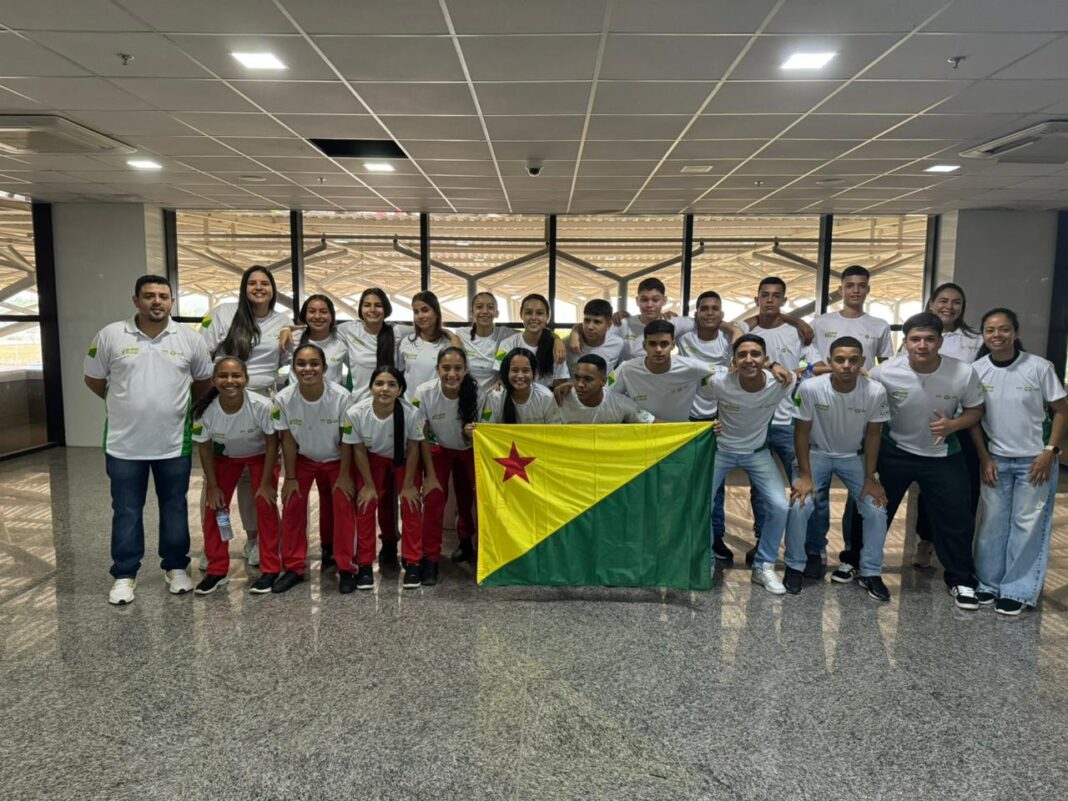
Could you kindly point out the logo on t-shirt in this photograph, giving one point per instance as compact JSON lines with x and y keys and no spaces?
{"x":206,"y":322}
{"x":296,"y":421}
{"x":92,"y":351}
{"x":822,"y":407}
{"x":130,"y":350}
{"x":347,"y":428}
{"x":900,"y":394}
{"x":987,"y":387}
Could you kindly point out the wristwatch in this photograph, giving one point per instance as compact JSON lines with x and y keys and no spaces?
{"x":875,"y":477}
{"x":1056,"y":450}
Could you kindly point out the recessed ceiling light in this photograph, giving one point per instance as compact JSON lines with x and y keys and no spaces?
{"x":943,"y":168}
{"x":378,"y":166}
{"x":829,"y":181}
{"x":259,"y":61}
{"x":698,"y":168}
{"x":808,"y":61}
{"x":144,"y":164}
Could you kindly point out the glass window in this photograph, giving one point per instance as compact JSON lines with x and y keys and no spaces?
{"x":18,"y":268}
{"x":22,"y":391}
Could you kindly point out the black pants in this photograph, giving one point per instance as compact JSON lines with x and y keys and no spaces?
{"x":944,"y":478}
{"x":971,"y":460}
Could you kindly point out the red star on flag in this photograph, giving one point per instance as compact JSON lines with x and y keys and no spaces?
{"x":515,"y":465}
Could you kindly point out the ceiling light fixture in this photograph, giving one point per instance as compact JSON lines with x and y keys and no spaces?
{"x":697,"y":168}
{"x":14,"y":196}
{"x":943,"y":168}
{"x":259,"y":61}
{"x":378,"y":166}
{"x":808,"y":61}
{"x":144,"y":164}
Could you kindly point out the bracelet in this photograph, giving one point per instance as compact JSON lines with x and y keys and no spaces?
{"x":291,"y":478}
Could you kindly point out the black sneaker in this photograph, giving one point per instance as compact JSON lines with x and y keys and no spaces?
{"x":843,"y":574}
{"x":327,"y":561}
{"x":465,"y":551}
{"x":365,"y":578}
{"x":722,"y":552}
{"x":750,"y":556}
{"x":286,"y":582}
{"x":209,"y":584}
{"x":346,"y":582}
{"x":1007,"y":606}
{"x":793,"y":581}
{"x":428,"y":572}
{"x":387,"y":555}
{"x":875,"y":587}
{"x":263,"y":584}
{"x":965,"y":597}
{"x":814,"y":567}
{"x":411,"y":577}
{"x":985,"y":598}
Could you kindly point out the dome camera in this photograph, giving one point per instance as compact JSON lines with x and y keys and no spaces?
{"x":533,"y":168}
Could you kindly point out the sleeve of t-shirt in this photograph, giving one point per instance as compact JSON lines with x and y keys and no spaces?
{"x":1052,"y":388}
{"x":278,"y":417}
{"x":350,"y":431}
{"x":683,"y":325}
{"x":213,"y":328}
{"x":803,"y":410}
{"x":97,"y":362}
{"x":617,"y":380}
{"x":879,"y":409}
{"x":811,"y":354}
{"x":201,"y":429}
{"x":711,"y":381}
{"x":973,"y":393}
{"x":560,"y":372}
{"x":263,"y":417}
{"x":885,"y":347}
{"x":552,"y":414}
{"x":413,"y":422}
{"x":633,"y":413}
{"x":200,"y":365}
{"x":743,"y":325}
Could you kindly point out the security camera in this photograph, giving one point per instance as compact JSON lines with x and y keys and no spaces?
{"x":533,"y":168}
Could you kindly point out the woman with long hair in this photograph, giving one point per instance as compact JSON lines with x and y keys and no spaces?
{"x":483,"y":339}
{"x":417,"y":354}
{"x":538,"y":340}
{"x":519,"y":398}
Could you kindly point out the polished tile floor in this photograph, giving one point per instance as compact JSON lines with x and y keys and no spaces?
{"x":455,"y":692}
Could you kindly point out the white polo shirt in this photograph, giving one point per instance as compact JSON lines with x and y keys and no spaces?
{"x":871,"y":332}
{"x":715,"y":351}
{"x":362,"y":349}
{"x":669,"y":396}
{"x":442,"y":415}
{"x":611,"y":350}
{"x":613,"y":408}
{"x":148,"y":400}
{"x":364,"y":427}
{"x":560,"y":372}
{"x":916,"y":397}
{"x":337,"y":356}
{"x":315,"y":425}
{"x":840,"y":419}
{"x":745,"y":416}
{"x":266,"y":357}
{"x":481,"y":353}
{"x":239,"y":434}
{"x":786,"y":348}
{"x":1016,"y":398}
{"x":418,"y":359}
{"x":632,"y":332}
{"x":540,"y":407}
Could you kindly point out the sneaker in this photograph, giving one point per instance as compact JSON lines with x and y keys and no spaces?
{"x":202,"y":562}
{"x":875,"y":587}
{"x":750,"y":555}
{"x":263,"y":584}
{"x":287,"y":581}
{"x":465,"y":551}
{"x":252,"y":553}
{"x":924,"y":554}
{"x":346,"y":582}
{"x":843,"y":574}
{"x":722,"y":552}
{"x":985,"y":598}
{"x":793,"y":581}
{"x":765,"y":577}
{"x":327,"y":561}
{"x":814,"y":567}
{"x":411,"y":577}
{"x":365,"y":578}
{"x":965,"y":597}
{"x":428,"y":572}
{"x":209,"y":584}
{"x":1009,"y":607}
{"x":122,"y":591}
{"x":179,"y":581}
{"x":387,"y":555}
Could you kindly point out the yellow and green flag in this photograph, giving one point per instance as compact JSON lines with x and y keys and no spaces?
{"x":616,"y":505}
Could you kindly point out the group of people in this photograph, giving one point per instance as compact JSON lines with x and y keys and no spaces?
{"x":380,"y":416}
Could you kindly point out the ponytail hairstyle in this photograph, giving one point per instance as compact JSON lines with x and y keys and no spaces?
{"x":303,"y":315}
{"x":473,"y":299}
{"x":468,"y":388}
{"x":431,"y":300}
{"x":963,"y":326}
{"x":386,"y":344}
{"x":508,"y":411}
{"x":1017,"y":346}
{"x":400,"y":439}
{"x":544,"y":362}
{"x":244,"y":333}
{"x":205,"y":400}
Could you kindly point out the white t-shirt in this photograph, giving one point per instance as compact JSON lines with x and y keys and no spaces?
{"x":745,"y":416}
{"x":239,"y":434}
{"x":560,"y":372}
{"x":915,"y":397}
{"x":611,"y":350}
{"x":668,"y":396}
{"x":873,"y":334}
{"x":539,"y":408}
{"x":419,"y":360}
{"x":363,"y":352}
{"x":960,"y":345}
{"x":148,"y":399}
{"x":613,"y":408}
{"x":840,"y":419}
{"x":266,"y":357}
{"x":481,"y":353}
{"x":363,"y":427}
{"x":1016,"y":398}
{"x":337,"y":356}
{"x":315,"y":425}
{"x":785,"y":347}
{"x":632,"y":332}
{"x":716,"y":351}
{"x":442,"y":415}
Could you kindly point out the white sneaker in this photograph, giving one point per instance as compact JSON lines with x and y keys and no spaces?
{"x":965,"y":597}
{"x":765,"y":576}
{"x":122,"y":591}
{"x":202,"y":562}
{"x":179,"y":581}
{"x":252,"y":553}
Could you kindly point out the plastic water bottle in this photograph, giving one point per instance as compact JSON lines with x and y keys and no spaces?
{"x":222,"y":517}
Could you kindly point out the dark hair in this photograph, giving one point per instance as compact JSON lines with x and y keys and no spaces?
{"x":313,"y":346}
{"x":205,"y":400}
{"x":475,"y":297}
{"x":771,"y":280}
{"x":658,"y":327}
{"x":652,"y":283}
{"x":400,"y":441}
{"x":244,"y":333}
{"x":508,"y":411}
{"x":963,"y":305}
{"x":468,"y":388}
{"x":707,"y":294}
{"x":598,"y":307}
{"x":923,"y":320}
{"x":151,"y":279}
{"x":755,"y":338}
{"x":431,"y":300}
{"x":856,"y":269}
{"x":386,"y":344}
{"x":847,"y":342}
{"x":303,"y":315}
{"x":596,"y":361}
{"x":544,"y":363}
{"x":1013,"y":320}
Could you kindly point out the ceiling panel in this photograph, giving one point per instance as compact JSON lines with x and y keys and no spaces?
{"x":650,"y":97}
{"x":270,"y":146}
{"x":417,"y":98}
{"x":635,"y":57}
{"x":392,"y":58}
{"x":927,"y":56}
{"x":688,"y":16}
{"x":214,"y":52}
{"x":153,"y":56}
{"x":535,"y":127}
{"x":782,"y":97}
{"x":1006,"y":96}
{"x":12,"y":100}
{"x":718,"y":148}
{"x":739,"y":126}
{"x":537,"y":150}
{"x":615,"y":151}
{"x":534,"y":98}
{"x":62,"y":15}
{"x":848,"y":16}
{"x":891,"y":97}
{"x":128,"y":123}
{"x":807,"y":148}
{"x":458,"y":169}
{"x":333,"y":126}
{"x":447,"y":150}
{"x":184,"y":95}
{"x":424,"y":127}
{"x":638,"y":126}
{"x":997,"y":15}
{"x":844,"y":126}
{"x":368,"y":16}
{"x":181,"y":145}
{"x":521,"y":16}
{"x":953,"y":126}
{"x":530,"y":58}
{"x":18,"y":56}
{"x":899,"y":148}
{"x":226,"y":124}
{"x":279,"y":97}
{"x":210,"y":16}
{"x":91,"y":94}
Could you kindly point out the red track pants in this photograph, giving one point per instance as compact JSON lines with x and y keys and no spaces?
{"x":295,"y":519}
{"x":461,"y":466}
{"x":228,"y":472}
{"x":382,"y":467}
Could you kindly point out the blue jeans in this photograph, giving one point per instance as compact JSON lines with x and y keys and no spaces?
{"x":129,"y":488}
{"x":719,"y":515}
{"x":850,"y":469}
{"x":1012,"y":544}
{"x":767,"y":483}
{"x":781,"y":443}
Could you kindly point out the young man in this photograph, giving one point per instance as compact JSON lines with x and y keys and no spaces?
{"x":650,"y":298}
{"x":920,"y":444}
{"x":583,"y":399}
{"x":143,"y":369}
{"x":594,"y":338}
{"x":837,"y":430}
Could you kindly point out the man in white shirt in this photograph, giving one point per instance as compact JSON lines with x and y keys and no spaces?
{"x":583,"y":400}
{"x":593,"y":336}
{"x":925,"y":391}
{"x":143,"y":368}
{"x":651,"y":297}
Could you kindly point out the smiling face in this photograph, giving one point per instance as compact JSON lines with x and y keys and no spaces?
{"x":709,"y":314}
{"x":385,"y":389}
{"x":308,"y":367}
{"x":451,"y":370}
{"x":650,"y":302}
{"x":229,"y":379}
{"x":589,"y":381}
{"x":535,"y":317}
{"x":484,"y":310}
{"x":998,"y":334}
{"x":658,"y":348}
{"x":948,"y":305}
{"x":520,"y":373}
{"x":846,"y":363}
{"x":258,"y":289}
{"x":154,"y":302}
{"x":749,"y":359}
{"x":922,"y":345}
{"x":855,"y":290}
{"x":317,"y":316}
{"x":426,"y":320}
{"x":372,"y":310}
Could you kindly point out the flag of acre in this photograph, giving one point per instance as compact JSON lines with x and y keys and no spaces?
{"x":617,"y":505}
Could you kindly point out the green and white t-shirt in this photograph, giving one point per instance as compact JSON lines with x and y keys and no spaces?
{"x":418,"y":360}
{"x":786,"y":348}
{"x":744,"y":415}
{"x":315,"y":425}
{"x":540,"y":407}
{"x":611,"y":350}
{"x":363,"y":352}
{"x":266,"y":357}
{"x":1016,"y":396}
{"x":481,"y":353}
{"x":236,"y":435}
{"x":560,"y":372}
{"x":632,"y":331}
{"x":840,"y":419}
{"x":337,"y":357}
{"x":668,"y":396}
{"x":442,"y":415}
{"x":614,"y":407}
{"x":872,"y":333}
{"x":364,"y":427}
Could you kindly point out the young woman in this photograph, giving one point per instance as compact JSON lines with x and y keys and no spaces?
{"x":538,"y":340}
{"x":381,"y":438}
{"x":1019,"y":466}
{"x":418,"y":352}
{"x":519,"y":399}
{"x":482,"y":341}
{"x":233,"y":431}
{"x":309,"y":415}
{"x":448,"y":406}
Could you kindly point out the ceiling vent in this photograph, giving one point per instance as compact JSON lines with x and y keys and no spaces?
{"x":44,"y":134}
{"x":1046,"y":143}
